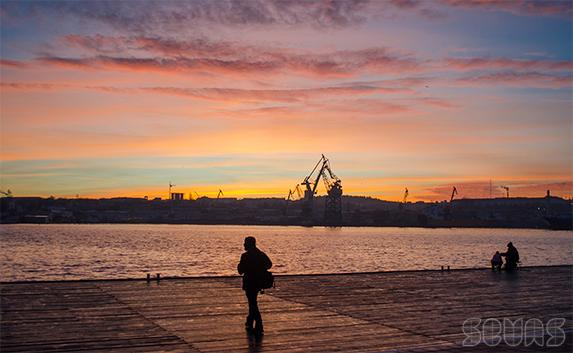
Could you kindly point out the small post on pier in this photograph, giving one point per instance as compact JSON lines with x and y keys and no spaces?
{"x":148,"y":277}
{"x":448,"y":268}
{"x":442,"y":268}
{"x":158,"y":277}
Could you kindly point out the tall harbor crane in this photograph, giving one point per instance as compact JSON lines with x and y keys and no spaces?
{"x":333,"y":185}
{"x":170,"y":186}
{"x":406,"y":193}
{"x":506,"y":188}
{"x":220,"y":193}
{"x":454,"y":193}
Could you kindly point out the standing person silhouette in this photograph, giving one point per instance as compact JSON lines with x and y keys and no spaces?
{"x":252,"y":266}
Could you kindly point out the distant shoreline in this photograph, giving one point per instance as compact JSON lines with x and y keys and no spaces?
{"x":284,"y":225}
{"x":547,"y":212}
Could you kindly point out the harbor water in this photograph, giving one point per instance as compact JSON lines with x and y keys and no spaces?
{"x":98,"y":251}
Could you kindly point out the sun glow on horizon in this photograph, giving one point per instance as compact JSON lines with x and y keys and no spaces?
{"x":427,"y":96}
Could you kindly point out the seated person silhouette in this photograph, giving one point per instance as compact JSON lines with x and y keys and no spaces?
{"x":496,"y":262}
{"x":511,"y":257}
{"x":252,"y":266}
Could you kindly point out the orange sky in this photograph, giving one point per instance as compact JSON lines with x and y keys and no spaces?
{"x":424,"y":96}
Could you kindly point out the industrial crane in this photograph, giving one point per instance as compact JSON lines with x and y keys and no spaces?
{"x":170,"y":186}
{"x":406,"y":193}
{"x":454,"y":193}
{"x":330,"y":179}
{"x":291,"y":193}
{"x":333,"y":206}
{"x":196,"y":195}
{"x":298,"y":191}
{"x":6,"y":193}
{"x":506,"y":188}
{"x":220,"y":193}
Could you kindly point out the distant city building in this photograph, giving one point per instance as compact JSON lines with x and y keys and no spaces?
{"x":176,"y":196}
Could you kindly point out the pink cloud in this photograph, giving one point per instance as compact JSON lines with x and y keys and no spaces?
{"x":32,"y":86}
{"x":227,"y":94}
{"x":13,"y":63}
{"x":155,"y":53}
{"x":273,"y":95}
{"x":437,"y":102}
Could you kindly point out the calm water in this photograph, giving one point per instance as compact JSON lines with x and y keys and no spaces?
{"x":127,"y":251}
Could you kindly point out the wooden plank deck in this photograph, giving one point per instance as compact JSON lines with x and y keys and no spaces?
{"x":417,"y":311}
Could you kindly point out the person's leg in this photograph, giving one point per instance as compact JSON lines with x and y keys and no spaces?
{"x":250,"y":317}
{"x":254,"y":312}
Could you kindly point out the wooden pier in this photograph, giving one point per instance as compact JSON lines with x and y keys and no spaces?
{"x":410,"y":311}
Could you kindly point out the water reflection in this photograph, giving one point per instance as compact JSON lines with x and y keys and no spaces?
{"x":118,"y":251}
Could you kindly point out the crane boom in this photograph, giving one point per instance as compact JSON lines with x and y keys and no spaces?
{"x":311,"y":186}
{"x":298,"y":192}
{"x":454,"y":193}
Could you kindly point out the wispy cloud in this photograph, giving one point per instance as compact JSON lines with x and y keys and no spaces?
{"x":159,"y":64}
{"x":521,"y":7}
{"x":224,"y":94}
{"x":518,"y":79}
{"x":169,"y":55}
{"x":33,"y":86}
{"x":153,"y":16}
{"x":13,"y":63}
{"x":137,"y":53}
{"x":507,"y":63}
{"x":437,"y":102}
{"x":168,"y":16}
{"x":272,"y":95}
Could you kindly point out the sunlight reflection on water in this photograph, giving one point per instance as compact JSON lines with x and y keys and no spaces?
{"x":33,"y":252}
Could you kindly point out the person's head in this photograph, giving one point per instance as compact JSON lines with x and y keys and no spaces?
{"x":497,"y":252}
{"x":510,"y":245}
{"x":250,"y":243}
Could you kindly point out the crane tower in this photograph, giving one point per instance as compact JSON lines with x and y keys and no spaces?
{"x":333,"y":185}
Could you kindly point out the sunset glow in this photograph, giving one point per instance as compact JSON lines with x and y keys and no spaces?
{"x":119,"y":98}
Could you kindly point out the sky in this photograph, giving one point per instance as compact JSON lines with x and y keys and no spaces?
{"x":120,"y":98}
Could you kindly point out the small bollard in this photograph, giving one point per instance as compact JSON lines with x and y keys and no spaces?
{"x":148,"y":277}
{"x":158,"y":277}
{"x":442,"y":268}
{"x":448,"y":268}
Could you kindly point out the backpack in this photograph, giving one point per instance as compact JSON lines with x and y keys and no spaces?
{"x":267,"y":280}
